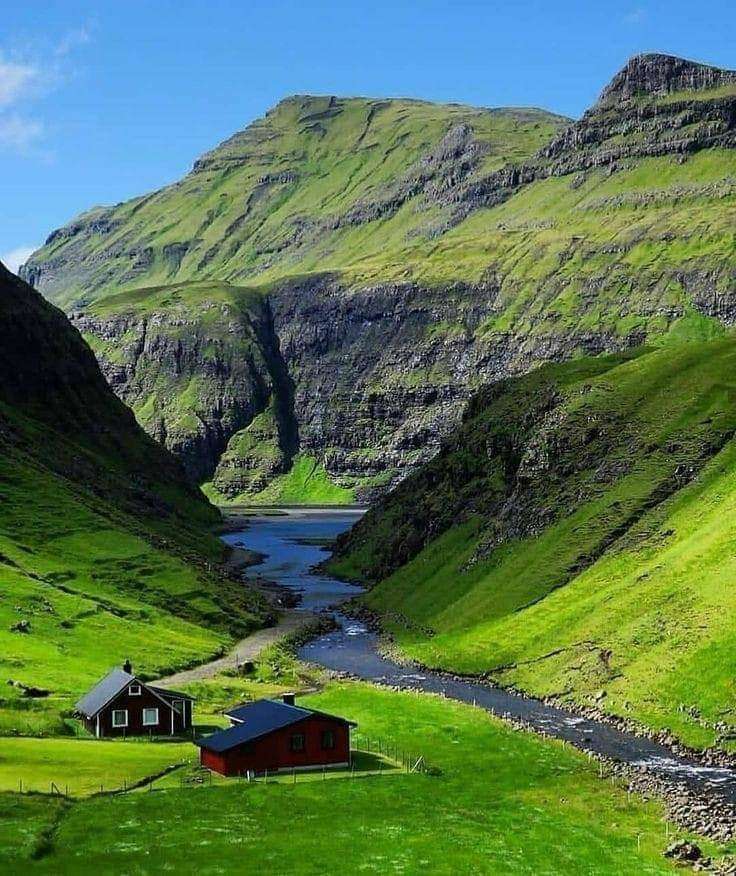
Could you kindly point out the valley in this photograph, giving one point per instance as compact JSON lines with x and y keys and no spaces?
{"x":467,"y":373}
{"x":473,"y":761}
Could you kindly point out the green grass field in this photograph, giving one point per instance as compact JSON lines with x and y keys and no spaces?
{"x":94,"y":591}
{"x":81,"y":767}
{"x":494,"y":801}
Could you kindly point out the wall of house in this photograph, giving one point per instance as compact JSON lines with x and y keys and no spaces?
{"x":273,"y":752}
{"x":135,"y":706}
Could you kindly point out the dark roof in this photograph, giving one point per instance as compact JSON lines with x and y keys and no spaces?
{"x":114,"y":683}
{"x":259,"y":719}
{"x":104,"y":691}
{"x":168,"y":694}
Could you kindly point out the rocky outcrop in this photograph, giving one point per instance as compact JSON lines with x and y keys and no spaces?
{"x":658,"y":75}
{"x":383,"y":373}
{"x":657,"y":105}
{"x":198,"y":380}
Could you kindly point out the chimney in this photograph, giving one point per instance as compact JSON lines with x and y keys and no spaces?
{"x":288,"y":699}
{"x":128,"y":667}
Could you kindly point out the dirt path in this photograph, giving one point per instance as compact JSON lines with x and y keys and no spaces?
{"x":246,"y":649}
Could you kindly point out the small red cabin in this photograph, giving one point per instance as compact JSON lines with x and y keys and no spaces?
{"x":269,"y":735}
{"x":123,"y":705}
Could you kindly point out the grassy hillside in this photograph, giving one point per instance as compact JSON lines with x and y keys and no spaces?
{"x":572,"y":538}
{"x":105,"y":550}
{"x":408,"y":253}
{"x":497,"y":801}
{"x":259,"y":198}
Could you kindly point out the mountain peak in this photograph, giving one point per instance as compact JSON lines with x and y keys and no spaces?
{"x":659,"y":74}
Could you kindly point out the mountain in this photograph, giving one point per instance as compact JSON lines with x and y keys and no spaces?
{"x":404,"y":254}
{"x":574,"y":537}
{"x":106,"y":549}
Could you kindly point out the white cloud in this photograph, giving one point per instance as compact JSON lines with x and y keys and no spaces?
{"x":18,"y":132}
{"x":72,"y":39}
{"x":16,"y":81}
{"x":17,"y":257}
{"x":636,"y":16}
{"x":27,"y":75}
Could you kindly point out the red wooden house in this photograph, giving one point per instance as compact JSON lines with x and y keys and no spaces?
{"x":272,"y":735}
{"x":123,"y":705}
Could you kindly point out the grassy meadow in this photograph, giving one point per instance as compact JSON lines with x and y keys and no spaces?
{"x":493,"y":801}
{"x":82,"y":767}
{"x":93,"y":591}
{"x":306,"y":483}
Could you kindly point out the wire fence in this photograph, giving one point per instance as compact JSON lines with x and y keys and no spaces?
{"x":409,"y":761}
{"x":369,"y":756}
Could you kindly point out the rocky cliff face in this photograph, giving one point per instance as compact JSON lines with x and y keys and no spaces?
{"x":658,"y":105}
{"x":203,"y":380}
{"x":382,"y":374}
{"x":656,"y":75}
{"x":401,"y":254}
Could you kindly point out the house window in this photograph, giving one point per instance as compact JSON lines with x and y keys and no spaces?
{"x":150,"y":717}
{"x":134,"y":690}
{"x":328,"y":739}
{"x":297,"y":742}
{"x":119,"y":717}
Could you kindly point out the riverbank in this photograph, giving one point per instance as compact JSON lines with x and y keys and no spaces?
{"x":698,"y":797}
{"x":499,"y":794}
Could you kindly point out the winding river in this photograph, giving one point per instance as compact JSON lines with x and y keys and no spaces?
{"x":292,"y":544}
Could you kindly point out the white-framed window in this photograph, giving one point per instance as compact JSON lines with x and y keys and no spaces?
{"x":134,"y":690}
{"x":150,"y":717}
{"x":119,"y":717}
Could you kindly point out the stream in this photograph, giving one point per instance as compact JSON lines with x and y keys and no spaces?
{"x":293,"y":543}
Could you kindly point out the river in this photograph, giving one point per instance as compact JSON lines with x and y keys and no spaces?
{"x":292,"y":545}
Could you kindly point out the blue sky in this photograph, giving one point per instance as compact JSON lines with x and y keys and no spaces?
{"x":100,"y":101}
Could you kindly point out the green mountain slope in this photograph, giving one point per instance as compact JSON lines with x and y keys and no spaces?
{"x":286,"y":184}
{"x":574,"y":538}
{"x":105,"y":550}
{"x":410,"y":252}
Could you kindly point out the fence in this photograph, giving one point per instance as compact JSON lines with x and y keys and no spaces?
{"x":391,"y":759}
{"x":410,"y":762}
